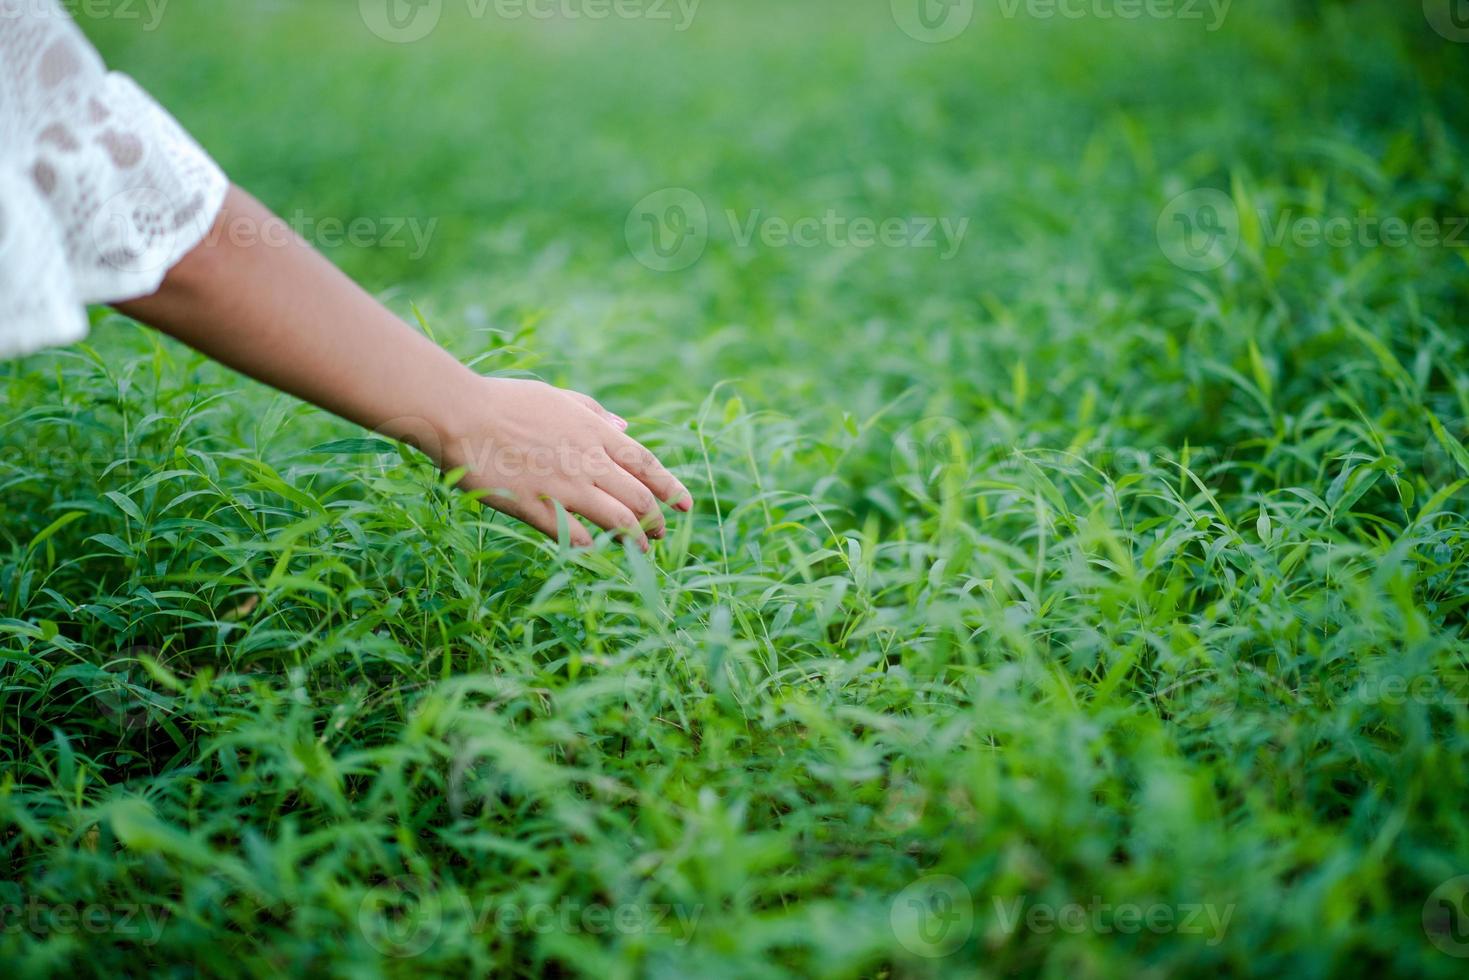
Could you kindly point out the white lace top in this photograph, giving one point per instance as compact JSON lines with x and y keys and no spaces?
{"x":101,"y":191}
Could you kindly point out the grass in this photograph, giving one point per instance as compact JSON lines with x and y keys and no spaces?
{"x":1049,"y":609}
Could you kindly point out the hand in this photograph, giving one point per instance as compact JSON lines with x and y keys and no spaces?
{"x":530,"y":445}
{"x":284,"y":315}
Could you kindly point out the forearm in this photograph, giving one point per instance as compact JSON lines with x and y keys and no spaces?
{"x":271,"y":307}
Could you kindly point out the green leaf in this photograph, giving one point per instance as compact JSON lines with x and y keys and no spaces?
{"x":50,"y":529}
{"x":354,"y":447}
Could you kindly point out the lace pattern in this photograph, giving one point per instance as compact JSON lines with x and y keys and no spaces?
{"x":101,"y":191}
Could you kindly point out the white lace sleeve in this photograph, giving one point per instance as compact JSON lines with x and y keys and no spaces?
{"x":101,"y":191}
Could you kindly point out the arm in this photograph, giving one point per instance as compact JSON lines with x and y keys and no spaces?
{"x":282,"y":314}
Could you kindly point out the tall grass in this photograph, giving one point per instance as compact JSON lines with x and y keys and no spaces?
{"x":1050,"y":609}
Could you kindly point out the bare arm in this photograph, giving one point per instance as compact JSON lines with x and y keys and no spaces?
{"x":279,"y":312}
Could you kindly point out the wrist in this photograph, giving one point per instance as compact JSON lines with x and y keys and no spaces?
{"x":468,"y":407}
{"x":442,"y":424}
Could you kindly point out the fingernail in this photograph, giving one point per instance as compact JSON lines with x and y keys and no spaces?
{"x":685,"y":505}
{"x":620,"y":422}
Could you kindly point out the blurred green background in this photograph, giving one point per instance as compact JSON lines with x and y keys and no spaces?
{"x":526,"y":142}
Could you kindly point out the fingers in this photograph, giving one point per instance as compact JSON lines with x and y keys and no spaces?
{"x":609,"y":513}
{"x":576,"y":531}
{"x":622,"y":485}
{"x":596,"y":406}
{"x":594,"y":471}
{"x":541,"y":515}
{"x":603,"y":507}
{"x":636,"y":459}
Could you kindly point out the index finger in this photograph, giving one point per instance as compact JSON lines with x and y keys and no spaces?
{"x":638,"y":460}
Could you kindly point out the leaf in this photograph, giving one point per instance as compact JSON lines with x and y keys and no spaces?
{"x":1439,"y":499}
{"x":113,"y":542}
{"x":1249,"y":217}
{"x":1451,"y":445}
{"x":50,"y":529}
{"x":125,"y":504}
{"x":1261,"y":373}
{"x":353,"y":447}
{"x":1362,"y":479}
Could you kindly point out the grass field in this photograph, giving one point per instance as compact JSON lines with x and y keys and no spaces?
{"x":1078,"y":580}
